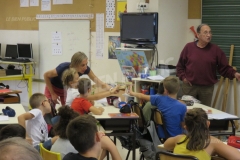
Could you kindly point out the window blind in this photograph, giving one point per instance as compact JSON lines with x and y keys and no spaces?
{"x":223,"y":16}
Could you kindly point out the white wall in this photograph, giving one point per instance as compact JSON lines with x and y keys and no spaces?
{"x":108,"y":70}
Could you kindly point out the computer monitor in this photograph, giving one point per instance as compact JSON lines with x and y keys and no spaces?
{"x":11,"y":51}
{"x":24,"y":50}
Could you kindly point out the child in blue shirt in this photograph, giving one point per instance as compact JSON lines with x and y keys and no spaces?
{"x":173,"y":111}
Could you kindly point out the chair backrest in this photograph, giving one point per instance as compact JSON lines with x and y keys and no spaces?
{"x":164,"y":155}
{"x":158,"y":119}
{"x":48,"y":155}
{"x":138,"y":110}
{"x":217,"y":158}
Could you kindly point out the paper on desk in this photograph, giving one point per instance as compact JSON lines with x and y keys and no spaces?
{"x":157,"y":77}
{"x":221,"y":116}
{"x":101,"y":102}
{"x":4,"y":118}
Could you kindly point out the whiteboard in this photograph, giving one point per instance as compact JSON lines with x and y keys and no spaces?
{"x":75,"y":36}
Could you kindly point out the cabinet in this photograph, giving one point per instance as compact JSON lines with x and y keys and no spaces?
{"x":137,"y":85}
{"x":27,"y":74}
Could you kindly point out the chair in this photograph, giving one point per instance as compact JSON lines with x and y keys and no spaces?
{"x":48,"y":155}
{"x":157,"y":118}
{"x":139,"y":126}
{"x":217,"y":158}
{"x":141,"y":120}
{"x":163,"y":155}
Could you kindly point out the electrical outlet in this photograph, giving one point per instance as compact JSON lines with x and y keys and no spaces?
{"x":142,"y":6}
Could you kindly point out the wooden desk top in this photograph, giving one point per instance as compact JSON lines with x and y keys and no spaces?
{"x":19,"y":109}
{"x":216,"y":114}
{"x":108,"y":109}
{"x":9,"y":62}
{"x":9,"y":91}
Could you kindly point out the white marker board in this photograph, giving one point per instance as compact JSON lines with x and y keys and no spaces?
{"x":75,"y":36}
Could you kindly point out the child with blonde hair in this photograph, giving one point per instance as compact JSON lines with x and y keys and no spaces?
{"x":78,"y":89}
{"x":173,"y":111}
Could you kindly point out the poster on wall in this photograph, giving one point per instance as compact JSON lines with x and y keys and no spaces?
{"x":121,"y":8}
{"x":113,"y":43}
{"x":136,"y":59}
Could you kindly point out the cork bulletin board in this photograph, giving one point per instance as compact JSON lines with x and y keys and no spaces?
{"x":14,"y":17}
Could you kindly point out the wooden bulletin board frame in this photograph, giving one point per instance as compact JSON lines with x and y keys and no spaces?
{"x":14,"y":17}
{"x":194,"y":9}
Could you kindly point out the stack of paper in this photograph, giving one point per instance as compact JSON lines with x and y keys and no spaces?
{"x":4,"y":118}
{"x":157,"y":77}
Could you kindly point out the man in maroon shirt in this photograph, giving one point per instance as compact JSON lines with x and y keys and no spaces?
{"x":198,"y":64}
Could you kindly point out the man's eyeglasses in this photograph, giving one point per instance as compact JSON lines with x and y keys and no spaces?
{"x":206,"y":33}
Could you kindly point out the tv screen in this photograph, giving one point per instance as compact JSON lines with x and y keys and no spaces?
{"x":11,"y":51}
{"x":139,"y":28}
{"x":24,"y":50}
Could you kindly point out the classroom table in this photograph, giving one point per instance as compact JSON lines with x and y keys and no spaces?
{"x":117,"y":124}
{"x":19,"y":109}
{"x":219,"y":120}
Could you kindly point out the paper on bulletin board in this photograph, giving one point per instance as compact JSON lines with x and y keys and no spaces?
{"x":24,"y":3}
{"x":99,"y":35}
{"x":56,"y":2}
{"x":121,"y":8}
{"x":46,"y":5}
{"x":56,"y":49}
{"x":67,"y":1}
{"x":113,"y":43}
{"x":56,"y":37}
{"x":34,"y":2}
{"x":110,"y":13}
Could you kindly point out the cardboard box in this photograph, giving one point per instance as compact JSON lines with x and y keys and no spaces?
{"x":9,"y":99}
{"x":2,"y":72}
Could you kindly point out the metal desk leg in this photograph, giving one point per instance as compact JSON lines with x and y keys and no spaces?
{"x":134,"y":144}
{"x":19,"y":99}
{"x":233,"y":127}
{"x":29,"y":89}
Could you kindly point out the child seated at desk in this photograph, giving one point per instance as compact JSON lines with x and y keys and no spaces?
{"x":173,"y":111}
{"x":36,"y":126}
{"x":12,"y":130}
{"x":87,"y":143}
{"x":71,"y":79}
{"x":82,"y":105}
{"x":198,"y":142}
{"x":63,"y":145}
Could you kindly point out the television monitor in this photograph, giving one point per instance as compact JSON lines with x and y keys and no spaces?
{"x":11,"y":51}
{"x":24,"y":50}
{"x":139,"y":28}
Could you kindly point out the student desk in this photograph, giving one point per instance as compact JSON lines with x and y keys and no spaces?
{"x":117,"y":124}
{"x":12,"y":120}
{"x":26,"y":75}
{"x":219,"y":120}
{"x":4,"y":92}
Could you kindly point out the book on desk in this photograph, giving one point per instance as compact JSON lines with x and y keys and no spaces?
{"x":123,"y":115}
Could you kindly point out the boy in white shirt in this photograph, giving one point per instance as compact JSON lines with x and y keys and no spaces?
{"x":36,"y":126}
